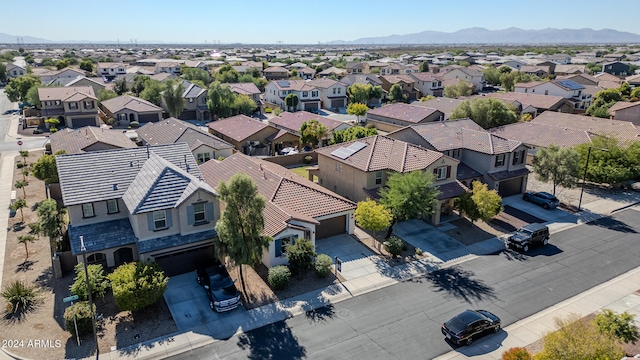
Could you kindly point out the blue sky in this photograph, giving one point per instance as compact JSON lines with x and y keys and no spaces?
{"x":296,"y":22}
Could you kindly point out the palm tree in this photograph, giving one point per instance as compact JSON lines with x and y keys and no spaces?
{"x":19,"y":205}
{"x":24,"y":239}
{"x":25,"y":171}
{"x":22,"y":185}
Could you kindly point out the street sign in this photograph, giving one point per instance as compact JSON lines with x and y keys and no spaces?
{"x":70,"y":298}
{"x":20,"y":142}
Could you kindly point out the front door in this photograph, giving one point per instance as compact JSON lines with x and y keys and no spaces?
{"x":123,"y":256}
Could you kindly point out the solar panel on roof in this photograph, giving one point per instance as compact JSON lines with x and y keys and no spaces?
{"x":357,"y":146}
{"x":341,"y":153}
{"x":284,"y":83}
{"x":570,"y":84}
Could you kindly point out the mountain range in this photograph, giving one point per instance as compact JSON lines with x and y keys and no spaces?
{"x":511,"y":35}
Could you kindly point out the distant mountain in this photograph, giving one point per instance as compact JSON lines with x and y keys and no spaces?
{"x":13,"y":39}
{"x":505,"y":36}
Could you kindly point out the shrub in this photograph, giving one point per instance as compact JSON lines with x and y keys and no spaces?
{"x":268,"y":110}
{"x":134,"y":124}
{"x":393,"y":246}
{"x":323,"y":265}
{"x":53,"y":130}
{"x":308,"y":159}
{"x":137,"y":285}
{"x":619,"y":325}
{"x":279,"y":277}
{"x":111,"y":121}
{"x":37,"y":131}
{"x":418,"y":251}
{"x":99,"y":283}
{"x":20,"y":297}
{"x":20,"y":165}
{"x":301,"y":254}
{"x":404,"y":248}
{"x":277,"y":111}
{"x":82,"y":313}
{"x":516,"y":353}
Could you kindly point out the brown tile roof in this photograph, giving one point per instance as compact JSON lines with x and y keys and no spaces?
{"x":385,"y":153}
{"x":404,"y":112}
{"x":536,"y":100}
{"x":622,"y":105}
{"x":275,"y":69}
{"x":108,"y":65}
{"x":606,"y":84}
{"x":394,"y":79}
{"x":530,"y":84}
{"x":245,"y":88}
{"x":621,"y":130}
{"x":542,"y":135}
{"x":426,"y":76}
{"x":451,"y":190}
{"x":172,"y":130}
{"x":76,"y":141}
{"x":239,"y":127}
{"x":607,"y":77}
{"x":575,"y":76}
{"x":288,"y":195}
{"x":70,"y":93}
{"x":298,"y":85}
{"x":323,"y":83}
{"x":130,"y":102}
{"x":293,"y":121}
{"x":633,"y":78}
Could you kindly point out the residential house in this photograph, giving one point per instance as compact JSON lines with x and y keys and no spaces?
{"x":46,"y":75}
{"x":109,"y":70}
{"x":295,"y":207}
{"x":203,"y":145}
{"x":580,"y":78}
{"x":475,"y":77}
{"x":196,"y":64}
{"x":307,"y":73}
{"x":358,"y":68}
{"x":563,"y":59}
{"x":539,"y":102}
{"x":308,"y":95}
{"x":332,"y":71}
{"x":139,"y":204}
{"x":14,"y":71}
{"x":74,"y":106}
{"x":570,"y":69}
{"x":333,"y":93}
{"x":248,"y":136}
{"x":392,"y":117}
{"x":442,"y":104}
{"x":251,"y":90}
{"x":398,"y":69}
{"x":289,"y":125}
{"x":626,"y":111}
{"x":633,"y":81}
{"x":89,"y":138}
{"x":406,"y":82}
{"x":195,"y":103}
{"x":358,"y":169}
{"x":428,"y":84}
{"x":623,"y":131}
{"x":568,"y":89}
{"x":126,"y":109}
{"x":276,"y":73}
{"x":365,"y":79}
{"x":617,"y":68}
{"x":536,"y":70}
{"x":499,"y":162}
{"x":169,"y":67}
{"x":96,"y":84}
{"x":514,"y":64}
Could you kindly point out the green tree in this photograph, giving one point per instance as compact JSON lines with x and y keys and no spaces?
{"x":488,"y":202}
{"x":120,"y":86}
{"x":508,"y":80}
{"x":423,"y":67}
{"x":516,"y":353}
{"x":51,"y":220}
{"x":21,"y":184}
{"x":602,"y":101}
{"x":301,"y":254}
{"x":635,"y":94}
{"x":241,"y":224}
{"x":409,"y":195}
{"x":47,"y":62}
{"x":20,"y":296}
{"x":139,"y":84}
{"x":396,"y":94}
{"x":45,"y":169}
{"x":17,"y":88}
{"x":357,"y":109}
{"x":578,"y":339}
{"x":106,"y":94}
{"x":486,"y":112}
{"x":61,"y":64}
{"x":467,"y":207}
{"x":137,"y":285}
{"x":593,"y":68}
{"x":376,"y":92}
{"x":86,"y":65}
{"x":97,"y":281}
{"x":3,"y":72}
{"x":19,"y":204}
{"x":462,"y":88}
{"x":492,"y":75}
{"x":79,"y":314}
{"x":312,"y":132}
{"x":352,"y":133}
{"x":221,"y":101}
{"x":373,"y":216}
{"x":192,"y":74}
{"x":33,"y":97}
{"x":559,"y":165}
{"x":24,"y":239}
{"x":291,"y":101}
{"x":153,"y":92}
{"x":243,"y":104}
{"x":227,"y":74}
{"x":173,"y":99}
{"x":359,"y":93}
{"x":620,"y":326}
{"x":612,"y":166}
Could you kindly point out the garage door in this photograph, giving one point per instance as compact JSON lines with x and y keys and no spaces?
{"x":510,"y":187}
{"x":331,"y":227}
{"x":188,"y":115}
{"x":336,"y":103}
{"x":184,"y":261}
{"x":85,"y":121}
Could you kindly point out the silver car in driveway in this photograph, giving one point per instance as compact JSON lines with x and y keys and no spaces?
{"x":544,"y":199}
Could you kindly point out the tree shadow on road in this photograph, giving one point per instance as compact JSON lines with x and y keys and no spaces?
{"x":275,"y":341}
{"x":459,"y":283}
{"x":613,"y":224}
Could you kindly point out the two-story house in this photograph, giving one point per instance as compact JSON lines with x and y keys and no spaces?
{"x":358,"y":169}
{"x":139,"y":204}
{"x":248,"y":136}
{"x":333,"y":93}
{"x":46,"y":75}
{"x":195,"y":103}
{"x":289,"y":125}
{"x":398,"y":69}
{"x":109,"y":70}
{"x":406,"y":82}
{"x":169,"y":67}
{"x":307,"y":73}
{"x":308,"y":95}
{"x":251,"y":90}
{"x":14,"y":71}
{"x":358,"y":68}
{"x":74,"y":106}
{"x":500,"y":163}
{"x":203,"y":145}
{"x":473,"y":76}
{"x":540,"y":103}
{"x":428,"y":84}
{"x":568,"y":89}
{"x":275,"y":73}
{"x":392,"y":117}
{"x":617,"y":68}
{"x":89,"y":138}
{"x":126,"y":108}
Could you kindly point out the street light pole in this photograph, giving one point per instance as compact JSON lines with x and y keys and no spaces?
{"x":584,"y":177}
{"x":86,"y":274}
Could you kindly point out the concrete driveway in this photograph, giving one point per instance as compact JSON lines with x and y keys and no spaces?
{"x":538,"y":211}
{"x":357,"y":259}
{"x":430,"y":239}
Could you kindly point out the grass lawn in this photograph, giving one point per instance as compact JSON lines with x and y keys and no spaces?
{"x":301,"y":170}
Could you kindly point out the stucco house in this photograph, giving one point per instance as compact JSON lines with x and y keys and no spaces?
{"x":289,"y":125}
{"x":74,"y":106}
{"x":14,"y":71}
{"x":333,"y":93}
{"x":89,"y":138}
{"x":195,"y":103}
{"x":295,"y":207}
{"x":276,"y":73}
{"x":139,"y":204}
{"x":428,"y":83}
{"x":126,"y":109}
{"x":109,"y":70}
{"x":406,"y":82}
{"x":169,"y":67}
{"x":395,"y":116}
{"x":308,"y":95}
{"x":568,"y":89}
{"x":251,"y":90}
{"x":626,"y":111}
{"x":475,"y":77}
{"x":248,"y":136}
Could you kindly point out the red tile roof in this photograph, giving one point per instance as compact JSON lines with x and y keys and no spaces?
{"x":238,"y":127}
{"x":404,"y":112}
{"x":293,"y":121}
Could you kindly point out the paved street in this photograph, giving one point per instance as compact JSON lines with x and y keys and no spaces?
{"x":8,"y":139}
{"x":402,"y":321}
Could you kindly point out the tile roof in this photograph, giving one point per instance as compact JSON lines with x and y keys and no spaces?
{"x":622,"y":105}
{"x":323,"y":83}
{"x":297,"y":85}
{"x":239,"y":127}
{"x":70,"y":93}
{"x":442,"y":104}
{"x":131,"y":103}
{"x":172,"y":130}
{"x":171,"y":241}
{"x":404,"y":112}
{"x":451,"y":190}
{"x":293,"y":121}
{"x":606,"y":77}
{"x":102,"y":235}
{"x":621,"y":130}
{"x":426,"y":76}
{"x":508,"y":174}
{"x":289,"y":196}
{"x":536,"y":100}
{"x":103,"y":175}
{"x":465,"y":172}
{"x":161,"y":185}
{"x":394,"y":79}
{"x":385,"y":153}
{"x":529,"y":85}
{"x":542,"y":135}
{"x":275,"y":69}
{"x":245,"y":88}
{"x":76,"y":141}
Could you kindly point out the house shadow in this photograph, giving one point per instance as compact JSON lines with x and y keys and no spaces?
{"x":60,"y":290}
{"x":613,"y":224}
{"x":482,"y":346}
{"x":275,"y":341}
{"x":459,"y":283}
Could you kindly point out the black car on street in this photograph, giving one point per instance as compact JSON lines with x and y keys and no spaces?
{"x":469,"y":325}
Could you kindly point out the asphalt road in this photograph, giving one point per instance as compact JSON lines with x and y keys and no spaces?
{"x":11,"y":142}
{"x":403,"y":321}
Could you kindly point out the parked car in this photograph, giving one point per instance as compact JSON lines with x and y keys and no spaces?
{"x":542,"y":198}
{"x":528,"y":236}
{"x":469,"y":325}
{"x":222,"y":292}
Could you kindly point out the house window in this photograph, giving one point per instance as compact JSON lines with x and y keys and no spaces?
{"x":442,"y":172}
{"x":338,"y":167}
{"x":57,"y":102}
{"x":198,"y":213}
{"x":339,"y":91}
{"x":96,"y":258}
{"x":499,"y":160}
{"x":159,"y":220}
{"x":88,"y":105}
{"x":122,"y":117}
{"x":87,"y":210}
{"x":305,"y":93}
{"x":334,"y":91}
{"x":314,"y":93}
{"x":190,"y":100}
{"x":112,"y":206}
{"x":203,"y":157}
{"x":546,"y":92}
{"x":378,"y":177}
{"x":73,"y":105}
{"x":525,"y":90}
{"x":48,"y":103}
{"x":281,"y":244}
